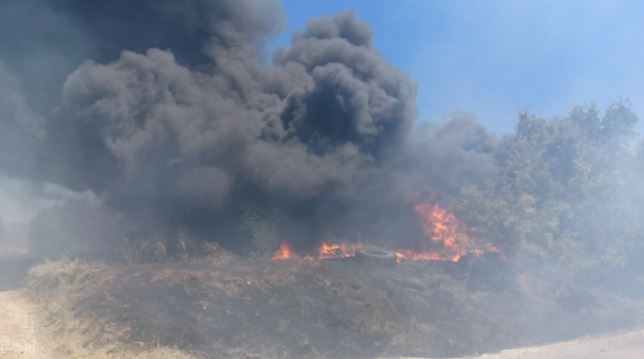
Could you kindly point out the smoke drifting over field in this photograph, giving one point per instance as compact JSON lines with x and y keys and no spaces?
{"x":175,"y":123}
{"x":144,"y":130}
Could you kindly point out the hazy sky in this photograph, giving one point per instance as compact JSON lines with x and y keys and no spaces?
{"x":495,"y":58}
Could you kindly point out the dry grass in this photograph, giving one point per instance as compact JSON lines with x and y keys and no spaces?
{"x":75,"y":348}
{"x":249,"y":307}
{"x":65,"y":269}
{"x":60,"y":287}
{"x":223,"y":306}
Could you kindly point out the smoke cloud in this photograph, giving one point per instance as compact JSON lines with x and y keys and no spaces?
{"x":169,"y":113}
{"x":132,"y":128}
{"x":176,"y":123}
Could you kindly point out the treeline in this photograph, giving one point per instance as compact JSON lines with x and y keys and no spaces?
{"x":568,"y":193}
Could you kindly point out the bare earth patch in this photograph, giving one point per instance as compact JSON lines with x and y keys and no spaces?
{"x":625,"y":346}
{"x":628,"y":345}
{"x":18,"y":338}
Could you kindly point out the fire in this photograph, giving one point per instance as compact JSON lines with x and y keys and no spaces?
{"x":442,"y":226}
{"x":348,"y":250}
{"x":325,"y":251}
{"x":284,"y":252}
{"x":339,"y":250}
{"x":448,"y":240}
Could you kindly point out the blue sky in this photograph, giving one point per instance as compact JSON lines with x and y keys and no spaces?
{"x":495,"y":58}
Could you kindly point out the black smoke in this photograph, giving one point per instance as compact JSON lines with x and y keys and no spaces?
{"x":173,"y":117}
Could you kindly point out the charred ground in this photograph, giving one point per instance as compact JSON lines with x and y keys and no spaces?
{"x":231,"y":307}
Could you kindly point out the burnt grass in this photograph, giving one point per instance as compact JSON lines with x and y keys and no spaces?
{"x":257,"y":308}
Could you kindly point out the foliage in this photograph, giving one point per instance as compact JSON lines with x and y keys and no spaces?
{"x":565,"y":190}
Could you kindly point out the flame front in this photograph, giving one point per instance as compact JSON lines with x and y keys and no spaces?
{"x":338,"y":250}
{"x":439,"y":226}
{"x":442,"y":226}
{"x":284,"y":252}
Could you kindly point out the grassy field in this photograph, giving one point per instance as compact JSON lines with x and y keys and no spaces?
{"x":229,"y":307}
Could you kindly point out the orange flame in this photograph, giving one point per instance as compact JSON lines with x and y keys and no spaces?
{"x":439,"y":226}
{"x":284,"y":252}
{"x":340,"y":250}
{"x":348,"y":250}
{"x":442,"y":226}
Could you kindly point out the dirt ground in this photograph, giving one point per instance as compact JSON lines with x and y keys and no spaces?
{"x":628,"y":345}
{"x":18,"y":338}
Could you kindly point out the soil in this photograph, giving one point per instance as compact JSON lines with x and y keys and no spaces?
{"x":627,"y":345}
{"x":624,"y":346}
{"x":18,"y":339}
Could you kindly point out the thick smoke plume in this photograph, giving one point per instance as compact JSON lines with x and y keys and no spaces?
{"x":139,"y":129}
{"x":174,"y":122}
{"x":172,"y":117}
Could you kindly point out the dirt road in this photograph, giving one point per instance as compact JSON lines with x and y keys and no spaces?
{"x":627,"y":345}
{"x":18,"y":338}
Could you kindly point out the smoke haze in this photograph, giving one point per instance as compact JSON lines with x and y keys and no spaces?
{"x":170,"y":115}
{"x":175,"y":123}
{"x":137,"y":131}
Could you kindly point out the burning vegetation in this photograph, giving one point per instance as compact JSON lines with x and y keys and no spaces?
{"x":234,"y":209}
{"x":441,"y":229}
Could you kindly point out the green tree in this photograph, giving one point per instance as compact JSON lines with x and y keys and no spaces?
{"x":562,"y":193}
